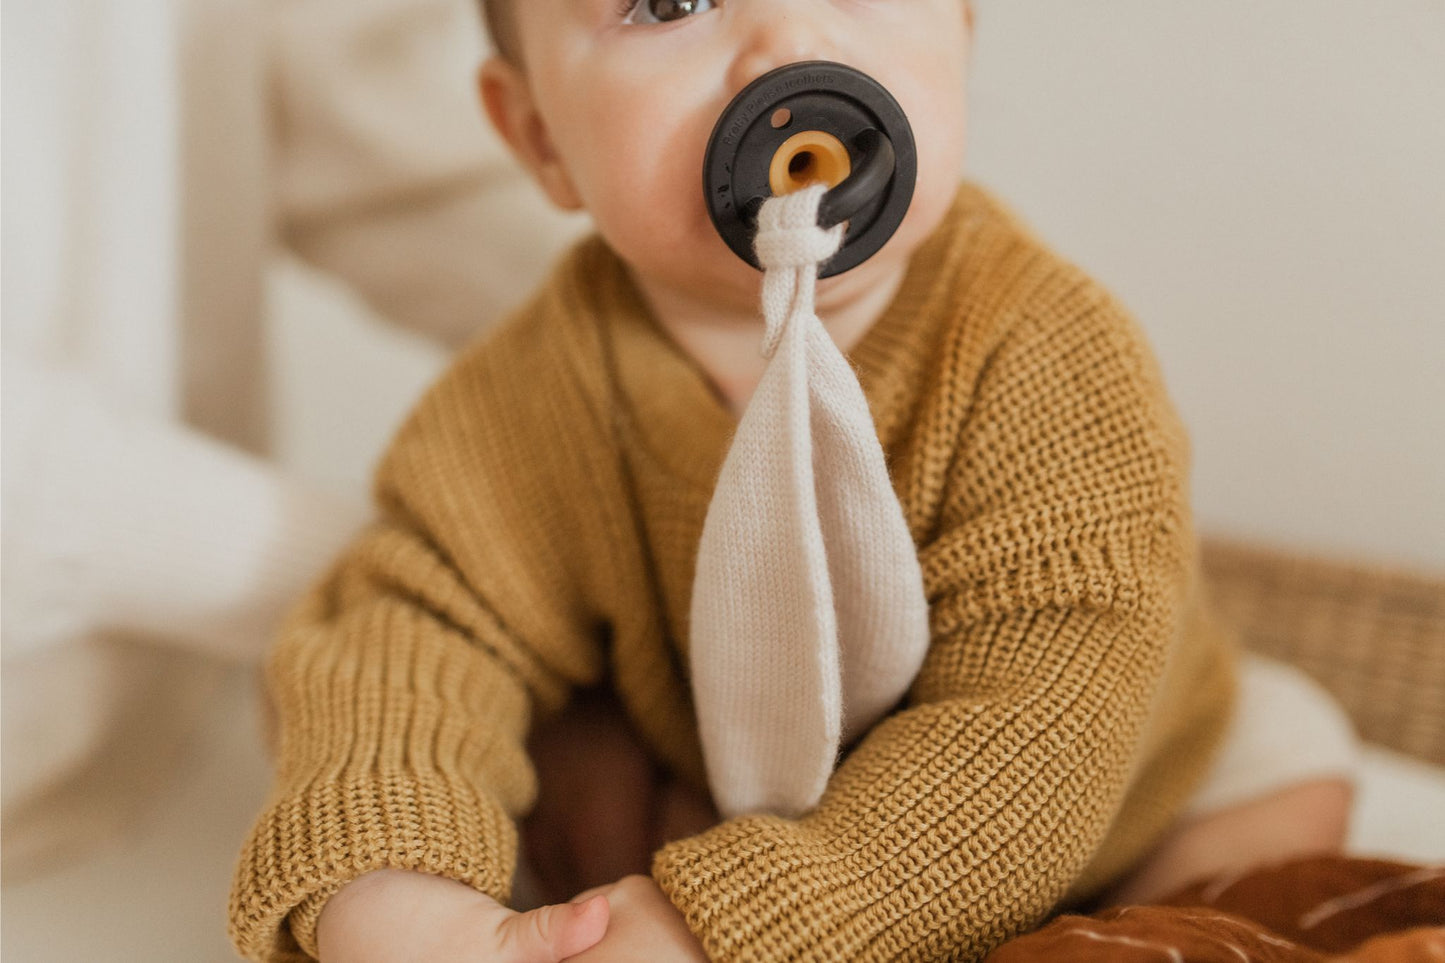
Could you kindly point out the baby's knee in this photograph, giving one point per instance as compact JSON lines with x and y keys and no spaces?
{"x":1298,"y":820}
{"x":1315,"y":814}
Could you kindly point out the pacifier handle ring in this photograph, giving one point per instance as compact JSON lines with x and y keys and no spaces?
{"x":864,"y":183}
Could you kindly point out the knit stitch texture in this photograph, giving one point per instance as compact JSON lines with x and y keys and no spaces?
{"x":809,"y":618}
{"x":541,"y":514}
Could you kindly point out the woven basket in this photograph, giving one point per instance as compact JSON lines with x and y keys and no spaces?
{"x":1374,"y":637}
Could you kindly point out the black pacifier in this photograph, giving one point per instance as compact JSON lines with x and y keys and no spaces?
{"x":803,"y":123}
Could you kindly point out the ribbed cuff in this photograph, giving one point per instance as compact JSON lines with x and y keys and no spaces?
{"x":691,"y":872}
{"x":304,"y":849}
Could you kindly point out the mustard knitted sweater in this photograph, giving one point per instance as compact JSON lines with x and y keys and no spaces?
{"x":541,"y":511}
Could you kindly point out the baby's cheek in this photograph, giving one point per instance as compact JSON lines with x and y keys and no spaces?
{"x":649,"y":203}
{"x":942,"y":139}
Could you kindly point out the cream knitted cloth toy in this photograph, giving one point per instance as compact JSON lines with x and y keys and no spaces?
{"x":809,"y":619}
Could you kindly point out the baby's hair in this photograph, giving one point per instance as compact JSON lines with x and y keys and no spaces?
{"x":502,"y":25}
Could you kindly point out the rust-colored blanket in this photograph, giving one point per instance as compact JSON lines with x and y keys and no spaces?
{"x":1328,"y":908}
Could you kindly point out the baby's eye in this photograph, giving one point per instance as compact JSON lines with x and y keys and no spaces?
{"x":663,"y":11}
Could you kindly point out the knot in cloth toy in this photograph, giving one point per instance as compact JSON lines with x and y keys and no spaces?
{"x":790,"y":246}
{"x":808,"y":617}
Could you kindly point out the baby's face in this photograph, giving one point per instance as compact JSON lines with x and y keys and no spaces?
{"x":628,"y":92}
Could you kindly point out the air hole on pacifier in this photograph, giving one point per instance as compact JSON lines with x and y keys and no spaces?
{"x":782,"y":117}
{"x":800,"y":164}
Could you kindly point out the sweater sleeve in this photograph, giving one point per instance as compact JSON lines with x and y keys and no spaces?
{"x":1055,"y":586}
{"x":403,"y":685}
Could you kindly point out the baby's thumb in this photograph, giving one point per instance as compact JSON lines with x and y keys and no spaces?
{"x":550,"y":934}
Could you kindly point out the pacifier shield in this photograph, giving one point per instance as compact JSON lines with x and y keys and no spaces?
{"x":818,"y":109}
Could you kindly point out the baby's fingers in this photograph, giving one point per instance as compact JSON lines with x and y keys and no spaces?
{"x":550,"y":934}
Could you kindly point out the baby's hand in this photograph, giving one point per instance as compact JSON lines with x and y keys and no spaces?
{"x":394,"y":915}
{"x":644,"y":925}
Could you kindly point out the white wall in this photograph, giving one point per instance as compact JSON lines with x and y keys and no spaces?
{"x":1263,"y":183}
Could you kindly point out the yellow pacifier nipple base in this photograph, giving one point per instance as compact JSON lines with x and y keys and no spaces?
{"x":807,"y":158}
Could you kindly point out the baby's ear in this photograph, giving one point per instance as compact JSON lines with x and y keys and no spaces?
{"x":507,"y":99}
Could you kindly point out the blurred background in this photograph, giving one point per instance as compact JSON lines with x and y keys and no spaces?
{"x":241,"y":236}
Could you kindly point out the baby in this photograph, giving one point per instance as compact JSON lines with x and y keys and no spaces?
{"x":530,"y":573}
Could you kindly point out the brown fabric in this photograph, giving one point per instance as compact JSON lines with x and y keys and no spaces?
{"x":1373,"y":636}
{"x":1302,"y":911}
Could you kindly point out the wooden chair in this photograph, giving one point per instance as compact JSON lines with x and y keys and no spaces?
{"x":1372,"y":635}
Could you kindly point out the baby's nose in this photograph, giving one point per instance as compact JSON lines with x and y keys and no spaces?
{"x":775,"y":35}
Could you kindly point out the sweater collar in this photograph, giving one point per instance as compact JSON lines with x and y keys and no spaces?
{"x":671,"y":410}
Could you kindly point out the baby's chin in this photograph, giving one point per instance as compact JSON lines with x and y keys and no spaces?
{"x":723,"y":283}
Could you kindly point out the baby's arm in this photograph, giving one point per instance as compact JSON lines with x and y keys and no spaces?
{"x":404,"y":684}
{"x":1055,"y":584}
